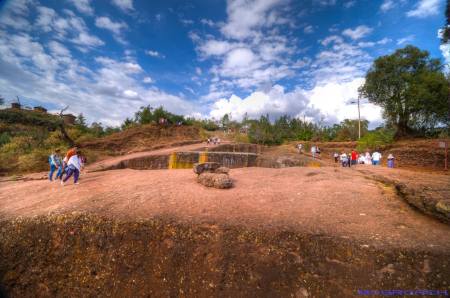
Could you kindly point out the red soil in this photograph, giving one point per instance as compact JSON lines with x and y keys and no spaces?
{"x":332,"y":201}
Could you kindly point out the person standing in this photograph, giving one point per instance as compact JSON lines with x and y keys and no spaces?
{"x":313,"y":151}
{"x":368,"y":158}
{"x":55,"y":164}
{"x":336,"y":157}
{"x":344,"y":159}
{"x":73,"y":168}
{"x":299,"y":148}
{"x":390,"y":161}
{"x":376,"y":158}
{"x":354,"y":157}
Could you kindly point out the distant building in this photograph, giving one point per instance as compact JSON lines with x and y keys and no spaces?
{"x":16,"y":105}
{"x":40,"y":109}
{"x":69,"y":119}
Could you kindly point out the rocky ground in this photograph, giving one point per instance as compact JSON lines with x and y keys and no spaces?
{"x":286,"y":232}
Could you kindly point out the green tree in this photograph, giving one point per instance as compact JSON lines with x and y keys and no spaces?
{"x":411,"y":88}
{"x":97,"y":129}
{"x":127,"y":123}
{"x":225,"y":122}
{"x":80,"y":123}
{"x":347,"y":130}
{"x":144,"y":115}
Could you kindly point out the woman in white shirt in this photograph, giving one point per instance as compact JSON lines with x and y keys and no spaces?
{"x":73,"y":168}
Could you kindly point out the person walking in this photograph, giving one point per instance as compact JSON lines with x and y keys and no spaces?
{"x":73,"y":168}
{"x":390,"y":161}
{"x":55,"y":164}
{"x":376,"y":158}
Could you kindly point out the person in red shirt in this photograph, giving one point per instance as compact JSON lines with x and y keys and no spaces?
{"x":354,"y":157}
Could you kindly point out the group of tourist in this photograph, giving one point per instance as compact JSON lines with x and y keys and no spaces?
{"x":354,"y":158}
{"x":71,"y":165}
{"x":214,"y":141}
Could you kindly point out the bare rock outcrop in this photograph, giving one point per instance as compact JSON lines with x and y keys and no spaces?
{"x":211,"y":174}
{"x":216,"y":180}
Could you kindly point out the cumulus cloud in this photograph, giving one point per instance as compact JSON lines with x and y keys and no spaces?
{"x":275,"y":102}
{"x":357,"y":33}
{"x":424,"y":8}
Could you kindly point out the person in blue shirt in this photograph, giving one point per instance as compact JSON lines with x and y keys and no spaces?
{"x":55,"y":164}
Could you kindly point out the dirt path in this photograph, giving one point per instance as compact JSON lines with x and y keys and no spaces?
{"x":115,"y":160}
{"x":332,"y":201}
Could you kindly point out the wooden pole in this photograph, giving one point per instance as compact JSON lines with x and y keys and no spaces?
{"x":446,"y":155}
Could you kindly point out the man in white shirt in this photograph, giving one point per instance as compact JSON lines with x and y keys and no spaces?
{"x":376,"y":157}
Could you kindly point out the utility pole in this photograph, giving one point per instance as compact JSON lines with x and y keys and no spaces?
{"x":359,"y":120}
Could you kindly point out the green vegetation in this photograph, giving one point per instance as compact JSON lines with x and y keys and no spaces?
{"x":412,"y":90}
{"x":376,"y":140}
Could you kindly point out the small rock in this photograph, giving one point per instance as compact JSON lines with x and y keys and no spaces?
{"x":206,"y":167}
{"x":215,"y":180}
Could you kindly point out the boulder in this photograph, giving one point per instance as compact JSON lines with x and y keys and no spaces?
{"x":217,"y":180}
{"x":222,"y":170}
{"x":206,"y":167}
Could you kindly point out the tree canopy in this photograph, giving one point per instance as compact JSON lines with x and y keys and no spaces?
{"x":411,"y":88}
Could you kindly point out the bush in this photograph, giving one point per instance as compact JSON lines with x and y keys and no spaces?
{"x":376,"y":140}
{"x":37,"y":160}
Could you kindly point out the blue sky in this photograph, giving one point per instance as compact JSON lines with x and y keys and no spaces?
{"x":105,"y":59}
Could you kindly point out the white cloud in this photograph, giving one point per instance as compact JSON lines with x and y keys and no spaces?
{"x":58,"y":49}
{"x":215,"y":47}
{"x":357,"y":33}
{"x":147,"y":80}
{"x":125,"y":5}
{"x":405,"y":39}
{"x":130,"y":94}
{"x":325,"y":2}
{"x":115,"y":27}
{"x":308,"y":29}
{"x":425,"y":8}
{"x":331,"y":39}
{"x":275,"y":102}
{"x":85,"y":39}
{"x":108,"y":24}
{"x":154,"y":54}
{"x":198,"y":71}
{"x":333,"y":101}
{"x":207,"y":22}
{"x":244,"y":17}
{"x":369,"y":44}
{"x":387,"y":5}
{"x":83,"y":6}
{"x":350,"y":3}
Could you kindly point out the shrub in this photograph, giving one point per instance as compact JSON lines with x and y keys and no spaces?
{"x":37,"y":160}
{"x":378,"y":139}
